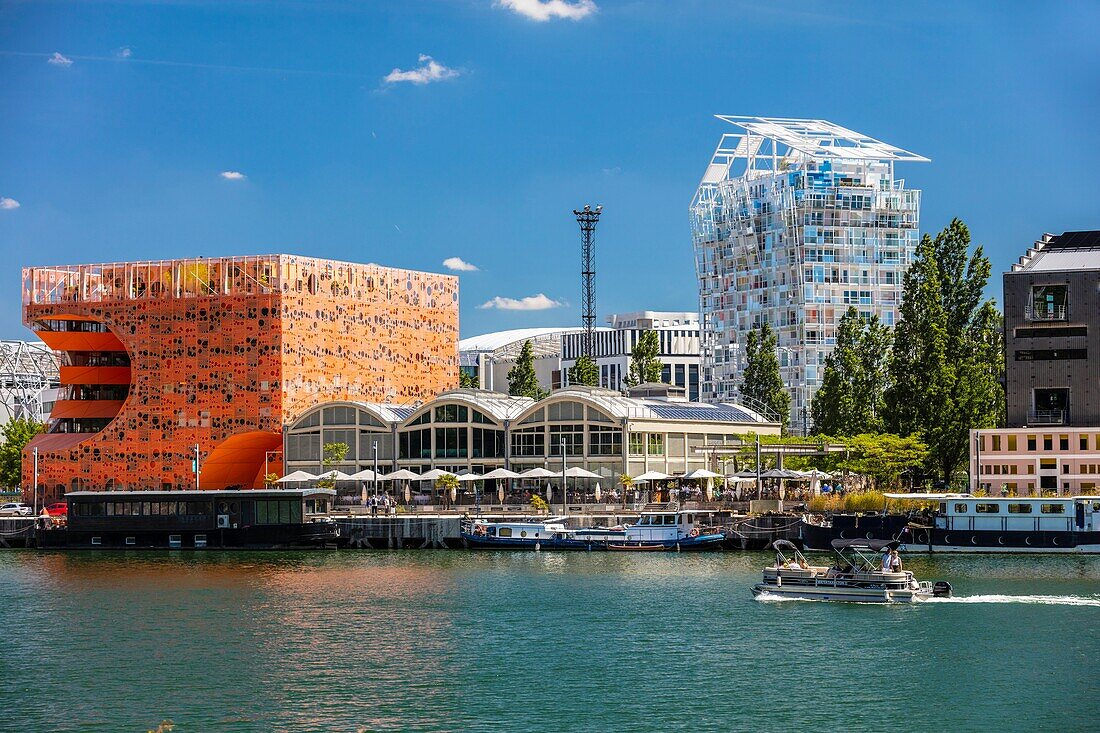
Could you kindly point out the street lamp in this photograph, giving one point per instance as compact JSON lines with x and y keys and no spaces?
{"x":564,"y":482}
{"x":196,"y":465}
{"x":374,"y":450}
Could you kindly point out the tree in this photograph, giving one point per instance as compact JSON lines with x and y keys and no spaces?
{"x":17,"y":433}
{"x":850,"y":398}
{"x":645,"y":364}
{"x":884,"y":457}
{"x":522,"y":379}
{"x":467,"y":380}
{"x":333,"y":455}
{"x":585,"y":372}
{"x":762,"y":381}
{"x":947,"y":360}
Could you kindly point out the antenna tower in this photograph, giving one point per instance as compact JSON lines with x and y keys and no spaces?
{"x":588,"y":218}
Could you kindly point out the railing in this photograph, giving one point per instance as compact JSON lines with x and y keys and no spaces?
{"x":1046,"y":417}
{"x":1045,"y":313}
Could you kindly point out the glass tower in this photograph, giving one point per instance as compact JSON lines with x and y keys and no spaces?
{"x":793,"y":222}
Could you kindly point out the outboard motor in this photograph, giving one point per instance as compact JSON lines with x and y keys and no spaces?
{"x":941,"y":589}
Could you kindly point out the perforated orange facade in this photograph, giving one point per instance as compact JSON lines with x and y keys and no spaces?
{"x":161,"y":357}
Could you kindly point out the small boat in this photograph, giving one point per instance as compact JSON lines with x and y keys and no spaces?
{"x":655,"y":530}
{"x":853,"y":577}
{"x":535,"y":533}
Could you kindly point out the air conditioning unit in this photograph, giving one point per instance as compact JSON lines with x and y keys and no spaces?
{"x":223,"y":521}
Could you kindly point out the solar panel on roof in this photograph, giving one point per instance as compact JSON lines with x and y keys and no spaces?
{"x":711,"y":414}
{"x":1074,"y":240}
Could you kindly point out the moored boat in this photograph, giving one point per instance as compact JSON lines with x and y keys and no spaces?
{"x":195,"y":520}
{"x":853,"y":576}
{"x":964,"y":523}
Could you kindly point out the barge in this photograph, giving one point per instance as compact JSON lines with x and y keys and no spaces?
{"x":255,"y":519}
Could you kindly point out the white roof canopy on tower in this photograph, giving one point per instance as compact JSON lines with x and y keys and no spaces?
{"x":816,"y":138}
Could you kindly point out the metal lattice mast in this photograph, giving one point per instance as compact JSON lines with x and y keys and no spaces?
{"x":588,"y":218}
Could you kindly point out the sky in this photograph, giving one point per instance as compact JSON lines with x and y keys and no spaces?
{"x":448,"y":135}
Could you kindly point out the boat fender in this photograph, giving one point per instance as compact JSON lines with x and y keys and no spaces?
{"x":1000,"y":540}
{"x":923,"y":539}
{"x":973,"y":539}
{"x":694,"y":532}
{"x":870,"y":535}
{"x":538,"y":546}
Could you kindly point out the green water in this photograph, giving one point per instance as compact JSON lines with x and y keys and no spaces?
{"x":422,"y":640}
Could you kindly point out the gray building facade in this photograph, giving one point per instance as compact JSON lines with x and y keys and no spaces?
{"x":1052,"y":333}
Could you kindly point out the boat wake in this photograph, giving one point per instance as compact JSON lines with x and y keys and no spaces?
{"x":1037,"y":600}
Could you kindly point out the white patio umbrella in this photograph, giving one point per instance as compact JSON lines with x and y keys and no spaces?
{"x":435,"y":474}
{"x":471,"y":476}
{"x":335,"y":476}
{"x":403,"y":474}
{"x":498,"y":473}
{"x":578,"y":472}
{"x":538,"y":473}
{"x":651,"y":476}
{"x":700,"y":473}
{"x":297,"y":477}
{"x":365,"y":475}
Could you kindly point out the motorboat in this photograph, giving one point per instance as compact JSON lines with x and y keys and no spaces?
{"x":854,"y":576}
{"x":531,"y":533}
{"x":656,"y":530}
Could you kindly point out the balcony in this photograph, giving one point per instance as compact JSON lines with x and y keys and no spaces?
{"x":1046,"y":417}
{"x":1045,"y":312}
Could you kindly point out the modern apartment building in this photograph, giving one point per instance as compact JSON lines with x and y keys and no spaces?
{"x":1052,"y":374}
{"x":677,"y":334}
{"x":794,"y":222}
{"x":183,"y":372}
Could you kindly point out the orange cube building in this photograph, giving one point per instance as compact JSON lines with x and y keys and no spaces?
{"x":160,"y":360}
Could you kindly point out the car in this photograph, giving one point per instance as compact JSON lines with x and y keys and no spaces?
{"x":15,"y":508}
{"x":59,"y":509}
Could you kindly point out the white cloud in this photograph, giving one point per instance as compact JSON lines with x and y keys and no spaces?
{"x":124,"y":53}
{"x":531,"y":303}
{"x":58,"y":60}
{"x":8,"y":204}
{"x":233,"y":175}
{"x":458,"y":264}
{"x":544,"y":10}
{"x":429,"y":70}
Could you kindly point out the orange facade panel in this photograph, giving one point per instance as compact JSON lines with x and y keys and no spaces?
{"x":225,"y":352}
{"x":85,"y":408}
{"x":80,"y":341}
{"x":95,"y":375}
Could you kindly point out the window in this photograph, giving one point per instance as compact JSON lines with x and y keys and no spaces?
{"x":340,"y":415}
{"x":996,"y":442}
{"x":535,"y":416}
{"x":1031,"y":442}
{"x":1048,"y":442}
{"x":1019,"y":508}
{"x":478,"y":417}
{"x":423,"y":419}
{"x":960,"y":508}
{"x":1063,"y":442}
{"x":637,"y":444}
{"x":565,"y":412}
{"x":987,"y":508}
{"x":1011,"y":443}
{"x":1051,"y":354}
{"x":487,"y":443}
{"x":529,"y":442}
{"x":1048,"y":302}
{"x":655,"y":445}
{"x":416,"y":443}
{"x":451,"y":413}
{"x":451,"y":442}
{"x":1048,"y":463}
{"x":1052,"y":508}
{"x":1084,"y":442}
{"x":595,"y":415}
{"x":605,"y":441}
{"x":572,"y":435}
{"x":504,"y":532}
{"x":309,"y":421}
{"x":365,"y":418}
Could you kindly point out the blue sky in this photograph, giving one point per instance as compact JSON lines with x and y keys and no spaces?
{"x":115,"y":148}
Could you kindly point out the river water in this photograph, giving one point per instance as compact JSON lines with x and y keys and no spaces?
{"x":435,"y":640}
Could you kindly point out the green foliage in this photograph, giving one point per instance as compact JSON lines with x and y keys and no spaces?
{"x":467,"y":380}
{"x":270,"y":479}
{"x":522,"y":379}
{"x":947,"y":360}
{"x":626,"y":480}
{"x":762,"y":381}
{"x":884,"y":457}
{"x":447,"y":482}
{"x":850,"y":398}
{"x":645,"y":364}
{"x":333,"y":455}
{"x":538,"y":503}
{"x":16,"y":434}
{"x":585,"y":372}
